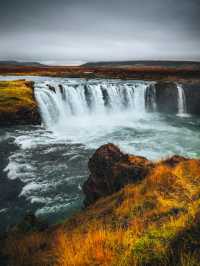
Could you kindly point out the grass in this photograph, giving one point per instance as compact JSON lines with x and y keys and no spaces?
{"x":153,"y":223}
{"x":15,"y":94}
{"x":17,"y":102}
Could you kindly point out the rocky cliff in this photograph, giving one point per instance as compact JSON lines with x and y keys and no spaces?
{"x":192,"y":93}
{"x":17,"y":103}
{"x":166,"y":97}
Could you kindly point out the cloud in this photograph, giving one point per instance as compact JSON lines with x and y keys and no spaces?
{"x":82,"y":30}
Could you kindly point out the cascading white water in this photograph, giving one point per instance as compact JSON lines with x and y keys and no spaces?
{"x":150,"y":98}
{"x":60,"y":102}
{"x":83,"y":116}
{"x":182,"y":108}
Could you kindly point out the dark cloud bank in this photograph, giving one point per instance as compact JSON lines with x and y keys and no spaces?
{"x":67,"y":31}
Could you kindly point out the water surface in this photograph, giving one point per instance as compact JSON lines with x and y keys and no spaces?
{"x":42,"y":168}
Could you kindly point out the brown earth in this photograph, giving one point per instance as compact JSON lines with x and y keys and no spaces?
{"x":137,"y":72}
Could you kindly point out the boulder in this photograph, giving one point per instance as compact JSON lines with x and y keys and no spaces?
{"x":110,"y":170}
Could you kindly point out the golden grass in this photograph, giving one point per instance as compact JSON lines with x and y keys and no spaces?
{"x":15,"y":95}
{"x":153,"y":223}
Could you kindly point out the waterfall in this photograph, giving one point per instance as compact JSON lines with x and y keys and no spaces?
{"x":150,"y":98}
{"x":182,"y":108}
{"x":60,"y":101}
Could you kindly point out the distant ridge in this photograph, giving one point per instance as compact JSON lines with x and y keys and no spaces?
{"x":143,"y":64}
{"x":17,"y":63}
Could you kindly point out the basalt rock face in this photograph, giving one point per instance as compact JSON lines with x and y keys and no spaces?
{"x":166,"y":97}
{"x":192,"y":94}
{"x":24,"y":116}
{"x":111,"y":170}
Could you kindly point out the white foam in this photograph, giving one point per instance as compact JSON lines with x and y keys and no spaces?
{"x":45,"y":156}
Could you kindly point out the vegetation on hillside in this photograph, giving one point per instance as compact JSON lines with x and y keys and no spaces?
{"x":153,"y":222}
{"x":144,"y":72}
{"x":17,"y":103}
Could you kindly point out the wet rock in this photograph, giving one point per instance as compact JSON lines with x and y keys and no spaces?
{"x":30,"y":223}
{"x":23,"y":116}
{"x":192,"y":94}
{"x":111,"y":170}
{"x":61,"y":88}
{"x":105,"y":97}
{"x":150,"y":98}
{"x":51,"y":88}
{"x":88,"y":96}
{"x":166,"y":97}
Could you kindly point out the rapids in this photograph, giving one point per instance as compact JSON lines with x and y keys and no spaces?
{"x":43,"y":167}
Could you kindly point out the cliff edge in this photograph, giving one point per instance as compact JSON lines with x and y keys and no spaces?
{"x":17,"y":103}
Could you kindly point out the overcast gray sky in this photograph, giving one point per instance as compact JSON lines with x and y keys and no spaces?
{"x":76,"y":31}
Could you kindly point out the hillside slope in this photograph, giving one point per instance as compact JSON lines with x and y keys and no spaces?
{"x":153,"y":219}
{"x":141,"y":63}
{"x":17,"y":103}
{"x":17,"y":63}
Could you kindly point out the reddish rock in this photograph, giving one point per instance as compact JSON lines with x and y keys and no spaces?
{"x":174,"y":160}
{"x":111,"y":170}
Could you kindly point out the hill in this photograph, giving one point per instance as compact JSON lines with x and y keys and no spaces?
{"x":144,"y":64}
{"x":17,"y":63}
{"x":140,"y":213}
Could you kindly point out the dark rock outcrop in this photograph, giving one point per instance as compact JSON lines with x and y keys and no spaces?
{"x":30,"y":223}
{"x":166,"y":97}
{"x":51,"y":88}
{"x":111,"y":170}
{"x":24,"y":116}
{"x":150,"y":98}
{"x":192,"y":94}
{"x":174,"y":160}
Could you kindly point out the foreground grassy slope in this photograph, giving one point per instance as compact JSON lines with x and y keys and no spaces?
{"x":17,"y":103}
{"x":153,"y":222}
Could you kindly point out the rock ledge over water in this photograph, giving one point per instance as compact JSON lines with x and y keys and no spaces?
{"x":17,"y":103}
{"x":110,"y":170}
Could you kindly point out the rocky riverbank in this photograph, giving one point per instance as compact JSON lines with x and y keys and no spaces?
{"x":17,"y":103}
{"x":138,"y":212}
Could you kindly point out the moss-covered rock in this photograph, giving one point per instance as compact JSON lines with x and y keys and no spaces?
{"x":17,"y":103}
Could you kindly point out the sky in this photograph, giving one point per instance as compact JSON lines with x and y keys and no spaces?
{"x":76,"y":31}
